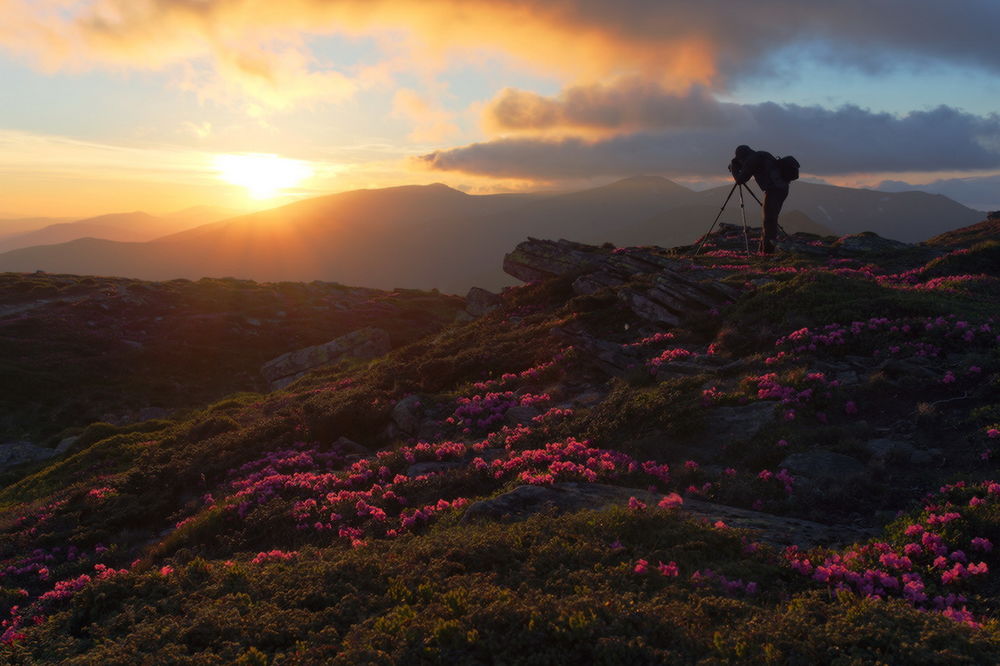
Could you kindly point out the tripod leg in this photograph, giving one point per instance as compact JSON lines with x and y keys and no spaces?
{"x":709,"y":232}
{"x":746,"y":229}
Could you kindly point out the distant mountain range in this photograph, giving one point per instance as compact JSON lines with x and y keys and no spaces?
{"x":123,"y":227}
{"x":436,"y":237}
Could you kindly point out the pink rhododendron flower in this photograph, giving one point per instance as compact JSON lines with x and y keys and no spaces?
{"x":670,"y":569}
{"x":671,"y":501}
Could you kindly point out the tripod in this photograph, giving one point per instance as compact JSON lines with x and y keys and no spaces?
{"x":743,"y":211}
{"x":746,"y":228}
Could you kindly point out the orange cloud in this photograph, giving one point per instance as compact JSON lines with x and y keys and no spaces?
{"x":431,"y":124}
{"x":257,"y":45}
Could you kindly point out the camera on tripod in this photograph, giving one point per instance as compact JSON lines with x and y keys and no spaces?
{"x":734,"y":167}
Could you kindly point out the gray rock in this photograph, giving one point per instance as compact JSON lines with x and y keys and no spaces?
{"x":588,"y":399}
{"x":365,"y":343}
{"x":647,"y":308}
{"x":847,"y":378}
{"x":520,"y":415}
{"x":18,"y":453}
{"x":569,"y":496}
{"x":775,"y":530}
{"x":406,"y":415}
{"x":594,"y":282}
{"x":740,"y":423}
{"x":66,"y":443}
{"x":868,"y":241}
{"x":888,"y":448}
{"x":419,"y":469}
{"x":821,"y":464}
{"x":539,"y":259}
{"x":678,"y":368}
{"x":479,"y":302}
{"x":349,"y":446}
{"x":924,"y":456}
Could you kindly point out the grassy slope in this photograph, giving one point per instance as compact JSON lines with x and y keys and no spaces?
{"x":202,"y":514}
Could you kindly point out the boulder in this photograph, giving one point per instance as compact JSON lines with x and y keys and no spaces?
{"x":407,"y":414}
{"x":365,"y":343}
{"x":739,"y":423}
{"x":868,"y":241}
{"x":18,"y":453}
{"x":569,"y":496}
{"x":349,"y":446}
{"x":823,"y":465}
{"x":420,"y":469}
{"x":540,"y":259}
{"x":520,"y":415}
{"x":889,"y":448}
{"x":479,"y":302}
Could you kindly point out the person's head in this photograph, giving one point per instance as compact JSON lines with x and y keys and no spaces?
{"x":742,"y":152}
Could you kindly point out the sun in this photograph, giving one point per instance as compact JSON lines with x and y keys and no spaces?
{"x":264,"y":176}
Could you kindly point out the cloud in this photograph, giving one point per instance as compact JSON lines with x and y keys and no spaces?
{"x":826,"y":142}
{"x":431,"y":124}
{"x":673,"y":42}
{"x":631,"y":103}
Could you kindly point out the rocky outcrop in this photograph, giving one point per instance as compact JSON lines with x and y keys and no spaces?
{"x":822,"y":465}
{"x":775,"y":530}
{"x":479,"y":302}
{"x":869,"y":242}
{"x":406,"y":415}
{"x":18,"y":453}
{"x":365,"y":343}
{"x":540,"y":259}
{"x":656,"y":287}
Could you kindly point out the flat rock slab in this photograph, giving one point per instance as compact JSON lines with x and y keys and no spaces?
{"x":779,"y":531}
{"x":365,"y":343}
{"x":823,"y":465}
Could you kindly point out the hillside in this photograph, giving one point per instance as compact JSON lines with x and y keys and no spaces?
{"x":437,"y":237}
{"x":77,"y":350}
{"x":635,"y":457}
{"x":121,"y":227}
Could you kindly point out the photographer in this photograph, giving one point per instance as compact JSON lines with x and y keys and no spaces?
{"x":764,"y":168}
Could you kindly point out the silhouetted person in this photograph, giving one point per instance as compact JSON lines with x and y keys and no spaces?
{"x":763,"y":166}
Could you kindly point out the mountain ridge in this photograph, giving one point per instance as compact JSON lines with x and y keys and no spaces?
{"x":437,"y":237}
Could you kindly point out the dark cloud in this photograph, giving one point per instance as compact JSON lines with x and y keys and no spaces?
{"x":826,"y":142}
{"x":631,"y":103}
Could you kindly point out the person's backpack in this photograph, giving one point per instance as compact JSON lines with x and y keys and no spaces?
{"x":788,"y":167}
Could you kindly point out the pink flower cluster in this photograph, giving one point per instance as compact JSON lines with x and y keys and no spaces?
{"x":483,"y":411}
{"x":101,"y":493}
{"x":668,"y":570}
{"x":655,"y":339}
{"x":274,"y":556}
{"x":667,"y":356}
{"x":912,"y":569}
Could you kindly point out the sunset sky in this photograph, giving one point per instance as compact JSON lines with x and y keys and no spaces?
{"x":115,"y":105}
